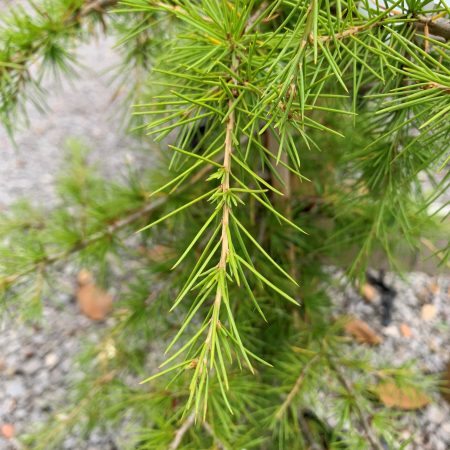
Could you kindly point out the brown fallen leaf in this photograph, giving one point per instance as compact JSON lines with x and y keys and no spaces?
{"x":93,"y":301}
{"x":434,"y":288}
{"x":428,"y":312}
{"x":404,"y":397}
{"x":362,"y":332}
{"x":7,"y":430}
{"x":368,"y":292}
{"x":405,"y":330}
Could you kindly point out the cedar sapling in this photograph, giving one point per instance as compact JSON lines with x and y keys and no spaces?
{"x":288,"y":136}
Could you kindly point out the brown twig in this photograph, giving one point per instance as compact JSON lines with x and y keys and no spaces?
{"x":296,"y":388}
{"x":182,"y":431}
{"x":438,"y":253}
{"x":255,"y":16}
{"x":350,"y":32}
{"x":433,"y":85}
{"x":436,"y":27}
{"x":96,"y":6}
{"x":371,"y":437}
{"x":225,"y":247}
{"x":220,"y":445}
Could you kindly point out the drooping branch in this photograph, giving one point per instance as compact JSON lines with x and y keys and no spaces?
{"x":122,"y":221}
{"x":225,"y":187}
{"x":110,"y":230}
{"x":222,"y":265}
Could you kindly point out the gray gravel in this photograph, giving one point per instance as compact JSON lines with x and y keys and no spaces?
{"x":37,"y":367}
{"x":81,"y":109}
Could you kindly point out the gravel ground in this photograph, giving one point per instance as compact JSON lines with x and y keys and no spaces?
{"x":420,"y":332}
{"x":37,"y":366}
{"x":81,"y":109}
{"x":37,"y":363}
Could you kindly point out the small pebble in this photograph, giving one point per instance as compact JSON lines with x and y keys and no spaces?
{"x":405,"y":330}
{"x":435,"y":414}
{"x":31,"y":366}
{"x":15,"y":388}
{"x":7,"y":430}
{"x":392,"y":331}
{"x":51,"y":360}
{"x":429,"y":312}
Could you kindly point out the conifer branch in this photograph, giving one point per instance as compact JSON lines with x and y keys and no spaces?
{"x":110,"y":230}
{"x":122,"y":221}
{"x":225,"y":245}
{"x":17,"y":55}
{"x":222,"y":265}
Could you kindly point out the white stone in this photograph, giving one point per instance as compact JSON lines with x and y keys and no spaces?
{"x":51,"y":360}
{"x":435,"y":414}
{"x":392,"y":331}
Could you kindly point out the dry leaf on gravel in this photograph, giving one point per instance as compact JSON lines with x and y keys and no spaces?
{"x":7,"y":430}
{"x":362,"y":332}
{"x":434,"y":288}
{"x":368,"y":292}
{"x":93,"y":301}
{"x":401,"y":397}
{"x":428,"y":312}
